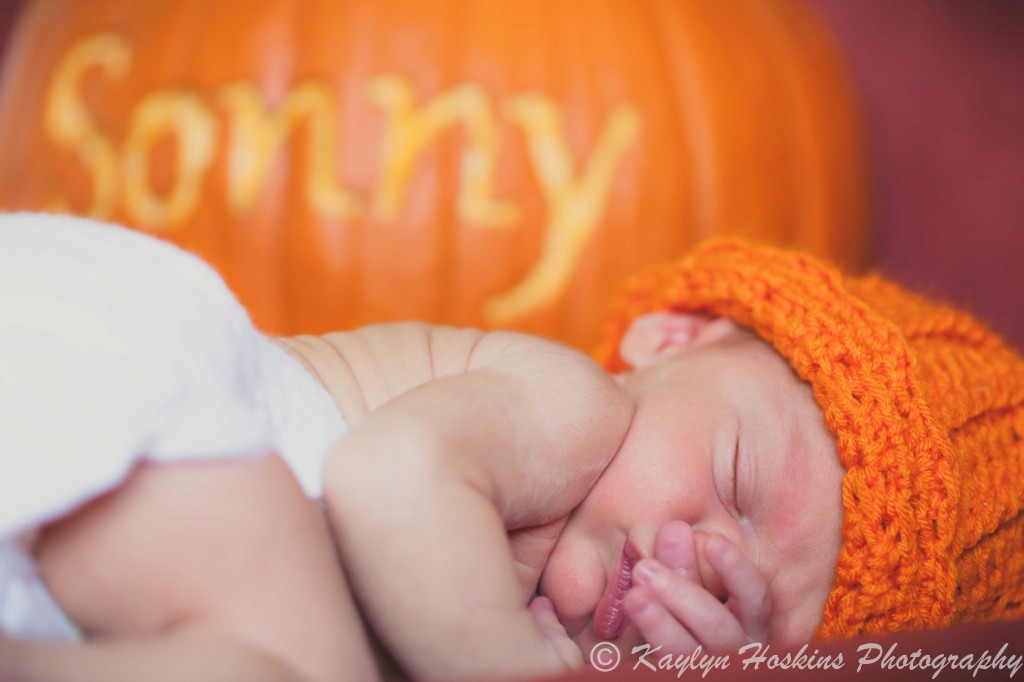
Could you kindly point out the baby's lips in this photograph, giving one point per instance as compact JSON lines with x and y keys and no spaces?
{"x":609,"y":614}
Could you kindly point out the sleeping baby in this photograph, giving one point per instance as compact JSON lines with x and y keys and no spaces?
{"x":777,"y":453}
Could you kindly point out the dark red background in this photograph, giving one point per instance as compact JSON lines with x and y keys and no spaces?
{"x":7,"y":10}
{"x":943,"y":93}
{"x":943,"y":90}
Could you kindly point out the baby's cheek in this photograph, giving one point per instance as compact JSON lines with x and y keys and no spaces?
{"x":574,"y":581}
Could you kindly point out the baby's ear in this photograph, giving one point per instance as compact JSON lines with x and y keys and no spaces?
{"x":653,"y":336}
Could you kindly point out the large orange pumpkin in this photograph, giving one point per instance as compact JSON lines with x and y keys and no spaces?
{"x":478,"y":162}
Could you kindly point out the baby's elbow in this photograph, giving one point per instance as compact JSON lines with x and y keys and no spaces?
{"x":384,"y":455}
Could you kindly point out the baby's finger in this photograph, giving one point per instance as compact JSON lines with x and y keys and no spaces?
{"x":674,"y":546}
{"x":710,"y":622}
{"x":658,"y":627}
{"x":543,"y":612}
{"x":749,"y":598}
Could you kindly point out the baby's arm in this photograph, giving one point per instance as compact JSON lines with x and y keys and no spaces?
{"x":178,"y":657}
{"x":422,"y":492}
{"x":201,"y":567}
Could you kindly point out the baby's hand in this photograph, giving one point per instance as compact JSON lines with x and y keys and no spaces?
{"x":672,"y":608}
{"x":543,"y":612}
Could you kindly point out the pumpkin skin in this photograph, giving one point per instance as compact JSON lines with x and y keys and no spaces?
{"x":472,"y":162}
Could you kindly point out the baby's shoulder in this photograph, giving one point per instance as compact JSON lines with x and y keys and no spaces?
{"x":366,"y":368}
{"x":412,"y":353}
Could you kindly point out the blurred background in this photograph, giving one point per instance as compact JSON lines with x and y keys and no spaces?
{"x":907,"y":117}
{"x":942,"y":86}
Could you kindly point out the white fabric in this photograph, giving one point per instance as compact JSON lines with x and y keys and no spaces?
{"x":114,"y":347}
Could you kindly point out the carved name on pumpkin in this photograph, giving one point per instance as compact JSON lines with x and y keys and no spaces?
{"x":574,"y":194}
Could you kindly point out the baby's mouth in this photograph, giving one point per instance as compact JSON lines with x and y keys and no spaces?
{"x":610,"y":616}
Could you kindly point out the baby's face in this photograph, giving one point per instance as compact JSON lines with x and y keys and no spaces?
{"x":727,"y":439}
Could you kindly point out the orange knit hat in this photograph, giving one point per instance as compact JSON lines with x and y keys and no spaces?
{"x":927,"y":407}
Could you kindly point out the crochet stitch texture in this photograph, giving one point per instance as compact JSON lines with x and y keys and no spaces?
{"x":927,"y":409}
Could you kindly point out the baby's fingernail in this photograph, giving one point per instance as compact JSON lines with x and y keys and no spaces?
{"x":646,"y":571}
{"x":676,"y":546}
{"x":717,"y":545}
{"x":680,"y":336}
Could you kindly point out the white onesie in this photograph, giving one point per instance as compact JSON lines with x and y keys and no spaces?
{"x":115,"y":347}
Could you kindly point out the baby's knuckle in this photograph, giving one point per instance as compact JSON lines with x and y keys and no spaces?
{"x":717,"y":621}
{"x":759,"y":597}
{"x":672,"y":588}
